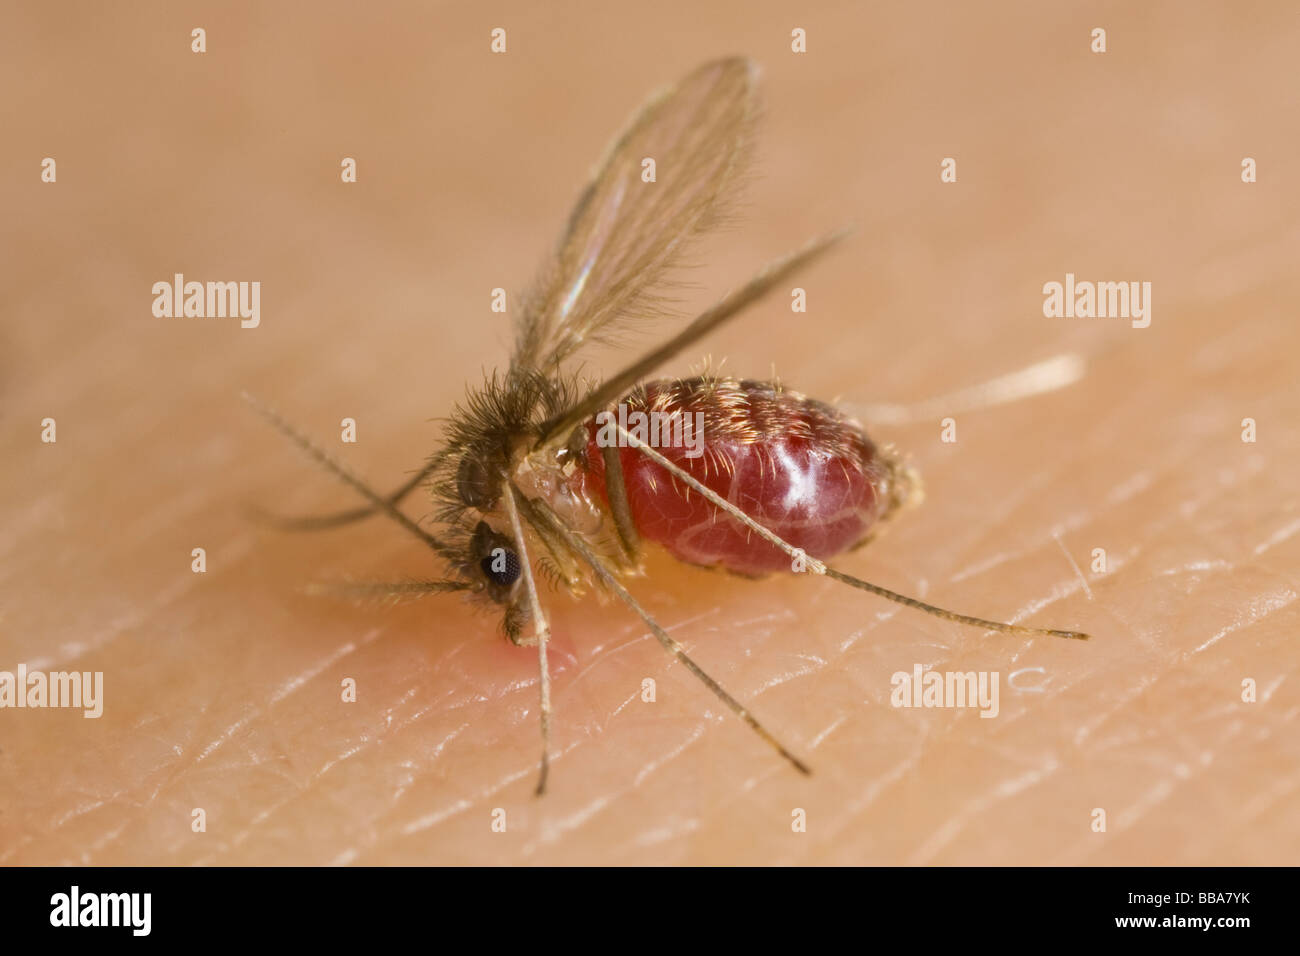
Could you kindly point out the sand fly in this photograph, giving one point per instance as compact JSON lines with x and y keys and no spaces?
{"x":544,"y":474}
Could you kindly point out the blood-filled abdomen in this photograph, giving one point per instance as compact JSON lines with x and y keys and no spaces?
{"x":797,"y":466}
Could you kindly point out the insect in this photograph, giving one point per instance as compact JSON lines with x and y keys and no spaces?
{"x":542,"y":473}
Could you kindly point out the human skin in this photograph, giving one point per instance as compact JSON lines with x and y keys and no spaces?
{"x":224,"y":690}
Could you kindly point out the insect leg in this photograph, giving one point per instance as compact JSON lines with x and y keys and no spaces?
{"x":818,"y":567}
{"x":607,"y":578}
{"x":616,"y":489}
{"x":338,"y":518}
{"x":541,"y":628}
{"x":383,"y":592}
{"x":342,"y":473}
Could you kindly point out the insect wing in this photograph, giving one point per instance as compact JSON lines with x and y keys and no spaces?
{"x":665,"y":180}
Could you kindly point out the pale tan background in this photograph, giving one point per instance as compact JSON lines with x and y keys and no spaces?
{"x":223,"y":688}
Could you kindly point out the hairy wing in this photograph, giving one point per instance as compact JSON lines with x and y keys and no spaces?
{"x":625,"y":232}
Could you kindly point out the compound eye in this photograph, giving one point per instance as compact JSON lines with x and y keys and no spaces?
{"x":501,"y":567}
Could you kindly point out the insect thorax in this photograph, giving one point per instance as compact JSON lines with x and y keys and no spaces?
{"x":497,"y":432}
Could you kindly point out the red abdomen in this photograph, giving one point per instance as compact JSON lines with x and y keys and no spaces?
{"x":795,"y":465}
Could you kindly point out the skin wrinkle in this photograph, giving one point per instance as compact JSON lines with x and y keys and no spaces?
{"x":1259,"y":608}
{"x":954,"y":824}
{"x":1120,"y":495}
{"x":1278,"y":537}
{"x":1002,"y":513}
{"x":266,"y":813}
{"x":605,"y":656}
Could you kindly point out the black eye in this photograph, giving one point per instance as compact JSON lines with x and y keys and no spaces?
{"x":501,"y":567}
